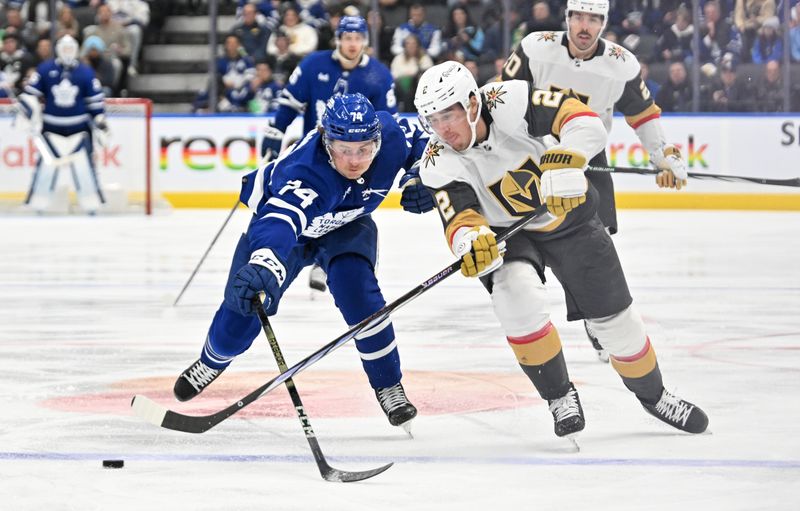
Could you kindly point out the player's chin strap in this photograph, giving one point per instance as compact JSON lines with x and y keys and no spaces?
{"x":473,"y":126}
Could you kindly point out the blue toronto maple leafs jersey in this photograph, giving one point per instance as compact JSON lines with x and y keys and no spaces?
{"x":72,"y":96}
{"x":301,"y":196}
{"x":319,"y":76}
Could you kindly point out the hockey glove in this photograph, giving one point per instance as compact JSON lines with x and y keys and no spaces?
{"x":101,"y":133}
{"x":264,"y":273}
{"x":271,"y":143}
{"x":673,"y":172}
{"x":478,"y":249}
{"x":416,"y":196}
{"x":563,"y":184}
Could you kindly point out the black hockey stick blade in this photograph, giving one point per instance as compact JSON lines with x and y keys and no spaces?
{"x":159,"y":415}
{"x":328,"y":473}
{"x":794,"y":181}
{"x":342,"y":476}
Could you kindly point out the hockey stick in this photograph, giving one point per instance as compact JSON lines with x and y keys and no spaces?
{"x":156,"y":414}
{"x":795,"y":181}
{"x":200,"y":263}
{"x":328,"y":473}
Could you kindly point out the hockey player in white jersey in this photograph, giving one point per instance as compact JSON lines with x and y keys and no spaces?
{"x":606,"y":77}
{"x":63,"y":131}
{"x":487,"y":164}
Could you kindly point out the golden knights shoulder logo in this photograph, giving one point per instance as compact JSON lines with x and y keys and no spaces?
{"x":494,"y":96}
{"x":617,"y":52}
{"x":432,"y":150}
{"x":546,"y":36}
{"x":518,"y":190}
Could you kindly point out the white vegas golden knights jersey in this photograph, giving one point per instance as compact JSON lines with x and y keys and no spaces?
{"x":497,"y":180}
{"x":610,"y":79}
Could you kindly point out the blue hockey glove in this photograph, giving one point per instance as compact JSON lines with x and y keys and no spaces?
{"x":264,"y":273}
{"x":416,"y":197}
{"x":271,"y":143}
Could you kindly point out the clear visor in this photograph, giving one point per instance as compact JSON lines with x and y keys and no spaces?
{"x":439,"y":122}
{"x":354,"y":151}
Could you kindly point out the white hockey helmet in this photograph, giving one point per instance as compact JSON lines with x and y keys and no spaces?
{"x":591,"y":6}
{"x":443,"y":86}
{"x":67,"y":51}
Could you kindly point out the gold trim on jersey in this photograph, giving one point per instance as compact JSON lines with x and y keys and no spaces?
{"x":466,"y":218}
{"x":569,"y":107}
{"x":652,"y":111}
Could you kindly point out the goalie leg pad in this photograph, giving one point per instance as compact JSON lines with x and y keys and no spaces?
{"x":87,"y":186}
{"x":42,"y":187}
{"x":519,"y":298}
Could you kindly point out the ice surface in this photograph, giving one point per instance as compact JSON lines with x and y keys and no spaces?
{"x":86,"y":322}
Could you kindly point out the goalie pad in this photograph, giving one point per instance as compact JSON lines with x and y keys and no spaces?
{"x":29,"y":114}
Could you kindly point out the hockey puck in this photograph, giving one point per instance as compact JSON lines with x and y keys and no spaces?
{"x":113,"y":463}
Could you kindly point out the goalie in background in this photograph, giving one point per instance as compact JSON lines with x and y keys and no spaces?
{"x":63,"y":129}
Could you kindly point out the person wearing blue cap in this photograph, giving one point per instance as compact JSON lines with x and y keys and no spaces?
{"x":93,"y":54}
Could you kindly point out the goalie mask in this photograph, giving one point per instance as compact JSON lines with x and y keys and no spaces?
{"x":67,"y":51}
{"x":443,"y":86}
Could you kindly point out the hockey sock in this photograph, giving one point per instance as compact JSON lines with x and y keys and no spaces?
{"x":540,"y":356}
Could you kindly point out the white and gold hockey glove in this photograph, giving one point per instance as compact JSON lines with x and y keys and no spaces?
{"x":563,"y":184}
{"x":672,"y":167}
{"x":478,"y":249}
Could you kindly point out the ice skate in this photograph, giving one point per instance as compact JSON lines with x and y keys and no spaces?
{"x":317,"y":279}
{"x":194,"y":380}
{"x":677,"y":413}
{"x":602,"y":354}
{"x":396,"y":406}
{"x":567,"y":413}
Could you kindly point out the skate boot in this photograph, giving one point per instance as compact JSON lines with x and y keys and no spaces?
{"x":677,"y":413}
{"x":317,"y":278}
{"x":395,"y":404}
{"x":194,"y":379}
{"x":602,"y":354}
{"x":567,"y":413}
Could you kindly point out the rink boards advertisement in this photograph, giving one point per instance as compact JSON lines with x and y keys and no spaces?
{"x":198,"y":161}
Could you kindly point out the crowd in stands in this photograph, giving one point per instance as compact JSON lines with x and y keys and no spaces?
{"x":270,"y":37}
{"x":111,"y":33}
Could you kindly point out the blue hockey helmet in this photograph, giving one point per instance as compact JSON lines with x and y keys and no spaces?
{"x":352,"y":24}
{"x":350,"y":118}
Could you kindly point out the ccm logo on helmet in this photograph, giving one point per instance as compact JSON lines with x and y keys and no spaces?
{"x":556,"y":158}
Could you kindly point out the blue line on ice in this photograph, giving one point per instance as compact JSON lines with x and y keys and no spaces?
{"x":275,"y":458}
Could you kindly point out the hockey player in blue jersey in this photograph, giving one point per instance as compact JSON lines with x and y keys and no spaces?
{"x":323,"y":74}
{"x":312,"y":205}
{"x":73,"y":107}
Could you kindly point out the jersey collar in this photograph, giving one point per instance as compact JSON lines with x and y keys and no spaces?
{"x":601,"y":47}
